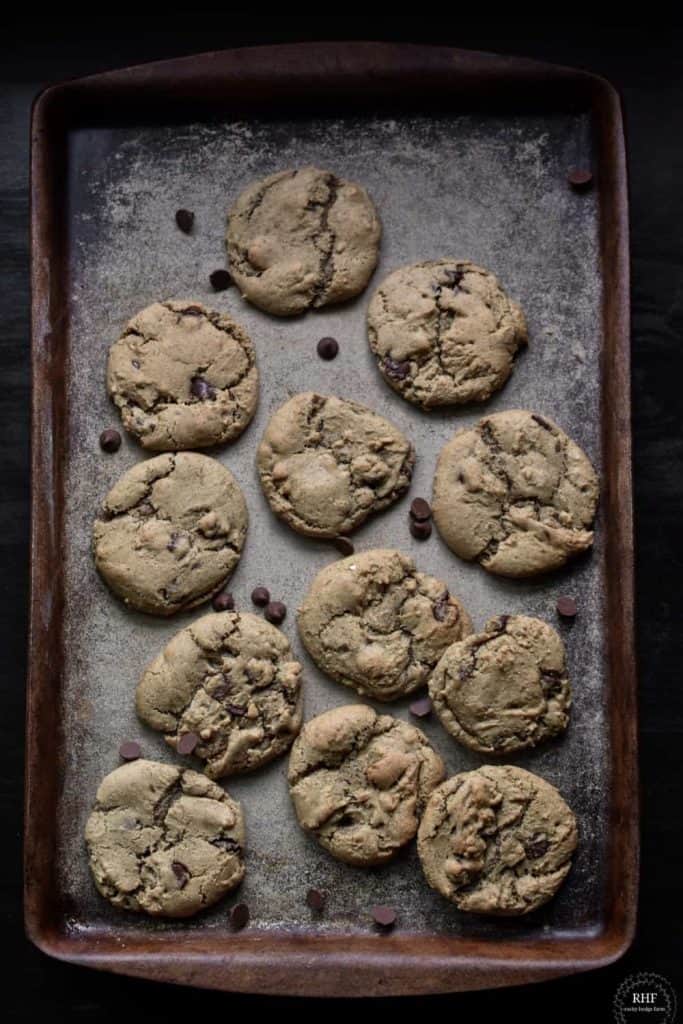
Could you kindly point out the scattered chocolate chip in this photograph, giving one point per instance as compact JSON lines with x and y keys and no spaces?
{"x":580,"y":179}
{"x":201,"y":389}
{"x":110,"y":440}
{"x":185,"y":220}
{"x":192,"y":311}
{"x":385,"y":917}
{"x":275,"y":612}
{"x":344,"y":546}
{"x":537,"y":847}
{"x":541,"y":422}
{"x":236,"y":710}
{"x":442,"y":607}
{"x":398,"y":371}
{"x":130,"y":750}
{"x":136,"y":363}
{"x":421,"y":708}
{"x":420,"y":509}
{"x":420,"y":530}
{"x":260,"y":596}
{"x":223,"y":602}
{"x":501,"y":623}
{"x":566,"y":607}
{"x":187,"y":742}
{"x":239,"y":916}
{"x":221,"y":691}
{"x":328,"y":348}
{"x":220,"y":280}
{"x":181,"y":872}
{"x":315,"y":899}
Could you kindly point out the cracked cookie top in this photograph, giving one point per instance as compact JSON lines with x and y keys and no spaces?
{"x":164,"y":841}
{"x":516,"y":494}
{"x":373,"y":622}
{"x":360,"y":781}
{"x":326,"y":464}
{"x":183,"y":376}
{"x":444,"y":332}
{"x":230,"y":679}
{"x":497,"y":840}
{"x":505,"y":689}
{"x":170,"y":532}
{"x":302,"y":239}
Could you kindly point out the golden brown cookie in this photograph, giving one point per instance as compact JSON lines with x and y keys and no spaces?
{"x":497,"y":840}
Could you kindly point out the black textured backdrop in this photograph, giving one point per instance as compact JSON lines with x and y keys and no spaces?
{"x":647,"y":67}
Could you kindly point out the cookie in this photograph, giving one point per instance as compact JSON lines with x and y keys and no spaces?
{"x":170,"y":532}
{"x":376,"y":624}
{"x":231,"y":679}
{"x":302,"y":239}
{"x":444,"y":332}
{"x":360,"y":781}
{"x":326,"y":464}
{"x":164,"y":841}
{"x":497,"y":840}
{"x":515,"y":494}
{"x":183,"y":376}
{"x":505,"y":689}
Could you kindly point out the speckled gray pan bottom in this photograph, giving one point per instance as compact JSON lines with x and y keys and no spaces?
{"x":488,"y":189}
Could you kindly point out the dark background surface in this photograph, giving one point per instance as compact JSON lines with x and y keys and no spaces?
{"x":647,"y":68}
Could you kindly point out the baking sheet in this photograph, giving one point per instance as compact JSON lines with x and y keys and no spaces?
{"x":486,"y":188}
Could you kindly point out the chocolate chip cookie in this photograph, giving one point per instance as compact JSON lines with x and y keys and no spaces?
{"x":183,"y":376}
{"x":170,"y":532}
{"x":505,"y":689}
{"x":373,"y":622}
{"x":164,"y":841}
{"x":232,"y":681}
{"x":497,"y":840}
{"x":326,"y":464}
{"x":444,"y":332}
{"x":302,"y":239}
{"x":359,"y":782}
{"x":515,"y":494}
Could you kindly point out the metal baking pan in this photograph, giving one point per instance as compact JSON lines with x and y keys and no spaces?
{"x":465,"y":155}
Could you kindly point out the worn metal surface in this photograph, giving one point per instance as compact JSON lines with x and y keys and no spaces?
{"x":490,"y":189}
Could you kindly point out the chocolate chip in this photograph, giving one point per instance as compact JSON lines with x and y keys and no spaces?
{"x":385,"y":917}
{"x":239,"y":916}
{"x":537,"y":847}
{"x":397,"y":371}
{"x":260,"y":596}
{"x":192,"y":311}
{"x":187,"y":742}
{"x":315,"y":899}
{"x":454,"y":277}
{"x":220,"y":280}
{"x":181,"y":872}
{"x":236,"y":710}
{"x":344,"y":546}
{"x":275,"y":612}
{"x":580,"y":179}
{"x":442,"y":607}
{"x":136,"y":363}
{"x":130,"y":750}
{"x":223,"y":602}
{"x":420,"y":509}
{"x":541,"y":422}
{"x":566,"y":607}
{"x":185,"y":220}
{"x":421,"y":708}
{"x":201,"y":389}
{"x":420,"y":530}
{"x":110,"y":440}
{"x":328,"y":348}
